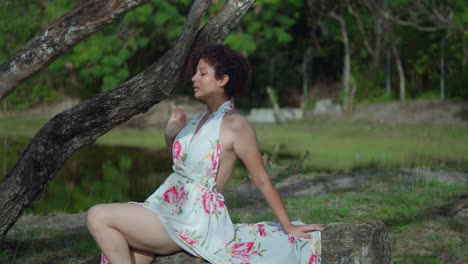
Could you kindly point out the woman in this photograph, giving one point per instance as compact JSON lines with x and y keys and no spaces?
{"x":187,"y":212}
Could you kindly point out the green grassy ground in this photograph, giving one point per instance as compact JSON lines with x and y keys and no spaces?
{"x":343,"y":146}
{"x":332,"y":145}
{"x":403,"y":204}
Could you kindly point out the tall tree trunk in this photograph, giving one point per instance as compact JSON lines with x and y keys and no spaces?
{"x":378,"y":41}
{"x":83,"y":124}
{"x":347,"y":104}
{"x":401,"y":74}
{"x":442,"y":65}
{"x":387,"y":75}
{"x":5,"y":156}
{"x":60,"y":37}
{"x":305,"y":79}
{"x":276,"y":108}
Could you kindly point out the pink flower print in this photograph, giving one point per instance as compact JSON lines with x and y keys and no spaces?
{"x":207,"y":200}
{"x":104,"y":259}
{"x":291,"y":239}
{"x":215,"y":157}
{"x":211,"y":202}
{"x":186,"y":238}
{"x":183,"y":194}
{"x":312,"y":259}
{"x":231,"y":105}
{"x":242,"y":249}
{"x":171,"y":195}
{"x":176,"y":149}
{"x":261,"y":230}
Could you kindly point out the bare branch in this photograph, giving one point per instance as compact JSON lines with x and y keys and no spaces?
{"x":361,"y":29}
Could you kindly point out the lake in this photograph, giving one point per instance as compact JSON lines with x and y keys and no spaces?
{"x":94,"y":174}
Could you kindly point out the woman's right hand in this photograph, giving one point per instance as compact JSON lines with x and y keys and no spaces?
{"x":175,"y":123}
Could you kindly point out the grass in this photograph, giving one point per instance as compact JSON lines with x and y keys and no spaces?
{"x":416,"y":234}
{"x":48,"y":246}
{"x":333,"y":146}
{"x":343,"y":146}
{"x":28,"y":127}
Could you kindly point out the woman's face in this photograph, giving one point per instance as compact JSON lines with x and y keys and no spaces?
{"x":205,"y":84}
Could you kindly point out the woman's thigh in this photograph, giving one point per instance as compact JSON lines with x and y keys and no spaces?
{"x":141,"y":228}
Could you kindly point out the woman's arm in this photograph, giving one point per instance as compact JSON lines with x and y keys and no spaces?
{"x":175,"y":123}
{"x":247,"y":149}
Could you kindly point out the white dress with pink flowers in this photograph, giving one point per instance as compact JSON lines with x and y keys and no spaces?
{"x":196,"y":217}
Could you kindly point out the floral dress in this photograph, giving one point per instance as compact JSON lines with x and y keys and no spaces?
{"x":196,"y":218}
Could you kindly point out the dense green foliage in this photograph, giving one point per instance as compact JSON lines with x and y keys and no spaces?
{"x":274,"y":34}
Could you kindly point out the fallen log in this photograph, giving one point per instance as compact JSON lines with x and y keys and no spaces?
{"x":342,"y":243}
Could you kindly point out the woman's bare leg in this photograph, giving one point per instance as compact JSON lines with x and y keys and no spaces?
{"x":119,"y":227}
{"x":141,"y":257}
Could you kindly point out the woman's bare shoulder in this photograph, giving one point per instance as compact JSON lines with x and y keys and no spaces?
{"x":236,"y":121}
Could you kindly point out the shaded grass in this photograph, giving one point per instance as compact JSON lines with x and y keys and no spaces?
{"x":48,"y":246}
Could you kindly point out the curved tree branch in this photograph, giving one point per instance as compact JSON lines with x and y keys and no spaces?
{"x":59,"y":38}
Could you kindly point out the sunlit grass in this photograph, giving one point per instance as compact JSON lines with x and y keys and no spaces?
{"x":28,"y":127}
{"x":21,"y":126}
{"x":151,"y":138}
{"x":332,"y":145}
{"x":346,"y":145}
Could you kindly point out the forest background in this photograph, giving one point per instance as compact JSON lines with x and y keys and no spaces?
{"x":278,"y":37}
{"x":408,"y":176}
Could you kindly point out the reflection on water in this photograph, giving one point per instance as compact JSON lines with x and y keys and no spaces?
{"x":95,"y":174}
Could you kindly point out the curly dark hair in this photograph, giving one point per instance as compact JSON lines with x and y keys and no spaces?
{"x":225,"y":61}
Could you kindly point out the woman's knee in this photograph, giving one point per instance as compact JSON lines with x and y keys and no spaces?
{"x":95,"y":217}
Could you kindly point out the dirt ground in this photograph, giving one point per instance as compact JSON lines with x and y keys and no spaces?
{"x":415,"y":112}
{"x":428,"y":112}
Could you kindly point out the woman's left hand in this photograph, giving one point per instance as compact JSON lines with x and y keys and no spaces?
{"x":302,"y":230}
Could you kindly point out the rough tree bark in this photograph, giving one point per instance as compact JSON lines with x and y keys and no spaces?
{"x":59,"y":38}
{"x":82,"y":125}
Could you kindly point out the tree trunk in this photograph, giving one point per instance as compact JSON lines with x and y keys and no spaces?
{"x":305,"y":79}
{"x":5,"y":156}
{"x":401,"y":74}
{"x":274,"y":101}
{"x":378,"y":40}
{"x":60,"y":37}
{"x":83,"y":124}
{"x":387,"y":71}
{"x":442,"y":65}
{"x":347,"y":104}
